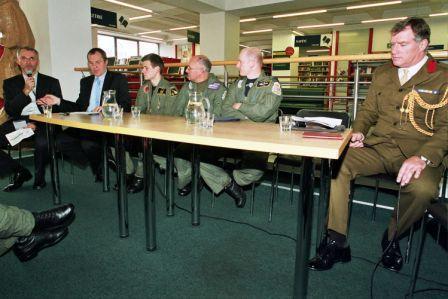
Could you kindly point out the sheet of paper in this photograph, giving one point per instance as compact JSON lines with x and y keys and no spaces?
{"x":326,"y":121}
{"x":17,"y":136}
{"x":29,"y":109}
{"x":84,"y":113}
{"x":19,"y":124}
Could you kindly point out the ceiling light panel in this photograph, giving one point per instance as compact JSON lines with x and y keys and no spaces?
{"x":129,"y":5}
{"x":321,"y":25}
{"x":373,"y":5}
{"x":248,"y":20}
{"x":183,"y":28}
{"x":140,"y":17}
{"x":257,"y":31}
{"x":383,"y":20}
{"x":299,"y":14}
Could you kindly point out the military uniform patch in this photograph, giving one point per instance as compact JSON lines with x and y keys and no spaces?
{"x":214,"y":86}
{"x":240,"y":83}
{"x":263,"y":83}
{"x":161,"y":91}
{"x":173,"y":92}
{"x":277,"y":89}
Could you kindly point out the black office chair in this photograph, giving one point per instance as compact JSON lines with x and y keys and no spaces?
{"x":291,"y":162}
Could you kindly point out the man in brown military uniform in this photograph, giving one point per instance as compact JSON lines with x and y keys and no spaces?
{"x":407,"y":104}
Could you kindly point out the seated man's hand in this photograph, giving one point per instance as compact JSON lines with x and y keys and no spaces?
{"x":97,"y":109}
{"x":236,"y":106}
{"x":357,"y":140}
{"x":49,"y":100}
{"x":411,"y":167}
{"x":32,"y":126}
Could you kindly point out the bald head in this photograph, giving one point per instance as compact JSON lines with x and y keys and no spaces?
{"x":250,"y":62}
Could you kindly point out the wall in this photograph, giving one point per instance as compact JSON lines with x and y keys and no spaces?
{"x":439,"y":34}
{"x":63,"y":37}
{"x":167,"y":50}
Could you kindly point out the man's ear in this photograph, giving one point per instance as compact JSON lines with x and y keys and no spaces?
{"x":424,"y":44}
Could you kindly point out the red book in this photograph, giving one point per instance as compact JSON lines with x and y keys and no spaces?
{"x":322,"y":135}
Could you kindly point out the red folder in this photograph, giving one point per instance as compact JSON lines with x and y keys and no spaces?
{"x":322,"y":135}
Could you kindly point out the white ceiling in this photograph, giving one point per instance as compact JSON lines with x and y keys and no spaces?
{"x":179,"y":13}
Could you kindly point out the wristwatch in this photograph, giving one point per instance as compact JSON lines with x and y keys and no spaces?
{"x":424,"y":159}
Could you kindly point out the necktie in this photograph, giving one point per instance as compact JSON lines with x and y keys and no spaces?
{"x":97,"y":91}
{"x":404,"y":76}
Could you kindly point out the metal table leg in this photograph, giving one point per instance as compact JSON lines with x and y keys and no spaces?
{"x":323,"y":200}
{"x":106,"y":181}
{"x":169,"y":180}
{"x":53,"y":165}
{"x":195,"y":195}
{"x":304,"y":223}
{"x":149,"y":195}
{"x":122,"y":195}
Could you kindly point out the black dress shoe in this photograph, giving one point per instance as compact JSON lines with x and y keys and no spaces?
{"x":55,"y":218}
{"x":392,"y":258}
{"x":26,"y":248}
{"x":129,"y":181}
{"x":136,"y":186}
{"x":38,"y":185}
{"x":328,"y":254}
{"x":19,"y":178}
{"x":237,"y":193}
{"x":187,"y":189}
{"x":98,"y":177}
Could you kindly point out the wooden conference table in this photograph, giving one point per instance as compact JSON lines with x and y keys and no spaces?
{"x":244,"y":135}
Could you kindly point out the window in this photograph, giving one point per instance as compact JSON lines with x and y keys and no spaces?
{"x":107,"y":43}
{"x":126,"y":48}
{"x":146,"y":48}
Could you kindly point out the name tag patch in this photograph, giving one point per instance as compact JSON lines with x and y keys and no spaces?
{"x":214,"y":86}
{"x":427,"y":91}
{"x":263,"y":83}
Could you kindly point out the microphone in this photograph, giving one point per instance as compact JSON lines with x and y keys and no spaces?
{"x":29,"y":74}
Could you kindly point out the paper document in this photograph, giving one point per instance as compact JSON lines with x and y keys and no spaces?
{"x":17,"y":136}
{"x":29,"y":109}
{"x":20,"y":124}
{"x":325,"y":121}
{"x":82,"y":113}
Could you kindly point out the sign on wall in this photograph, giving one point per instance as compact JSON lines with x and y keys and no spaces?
{"x":322,"y":40}
{"x":103,"y":17}
{"x":193,"y":37}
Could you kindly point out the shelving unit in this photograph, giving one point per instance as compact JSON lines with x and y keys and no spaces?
{"x":313,"y":71}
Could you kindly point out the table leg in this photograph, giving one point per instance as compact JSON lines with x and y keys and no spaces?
{"x":195,"y":195}
{"x":304,"y":223}
{"x":53,"y":166}
{"x":323,"y":200}
{"x":169,"y":180}
{"x":149,"y":195}
{"x":122,"y":195}
{"x":106,"y":181}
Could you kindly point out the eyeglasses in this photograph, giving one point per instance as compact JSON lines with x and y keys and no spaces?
{"x":28,"y":58}
{"x":194,"y":69}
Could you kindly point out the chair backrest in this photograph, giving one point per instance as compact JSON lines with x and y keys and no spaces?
{"x":344,"y":116}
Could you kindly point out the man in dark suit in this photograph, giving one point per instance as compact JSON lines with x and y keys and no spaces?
{"x":22,"y":97}
{"x":82,"y":146}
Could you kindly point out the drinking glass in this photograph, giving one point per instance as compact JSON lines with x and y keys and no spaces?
{"x":285,"y":122}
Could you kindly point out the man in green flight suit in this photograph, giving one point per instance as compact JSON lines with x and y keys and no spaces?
{"x":201,"y":80}
{"x":254,"y":97}
{"x":155,"y":96}
{"x":407,"y":104}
